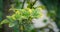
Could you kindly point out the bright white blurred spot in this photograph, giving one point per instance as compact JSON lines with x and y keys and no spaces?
{"x":38,"y":23}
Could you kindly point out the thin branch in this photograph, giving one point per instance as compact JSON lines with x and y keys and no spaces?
{"x":33,"y":3}
{"x":23,"y":4}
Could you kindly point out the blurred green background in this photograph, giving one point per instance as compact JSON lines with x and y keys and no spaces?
{"x":51,"y":5}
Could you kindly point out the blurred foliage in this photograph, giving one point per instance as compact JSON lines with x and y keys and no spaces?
{"x":23,"y":18}
{"x":1,"y":5}
{"x":1,"y":9}
{"x":1,"y":13}
{"x":53,"y":8}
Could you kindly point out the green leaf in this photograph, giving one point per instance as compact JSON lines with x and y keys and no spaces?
{"x":4,"y":21}
{"x":36,"y":13}
{"x":17,"y":16}
{"x":11,"y":24}
{"x":10,"y":18}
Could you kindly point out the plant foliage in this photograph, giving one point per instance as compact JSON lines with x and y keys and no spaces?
{"x":23,"y":17}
